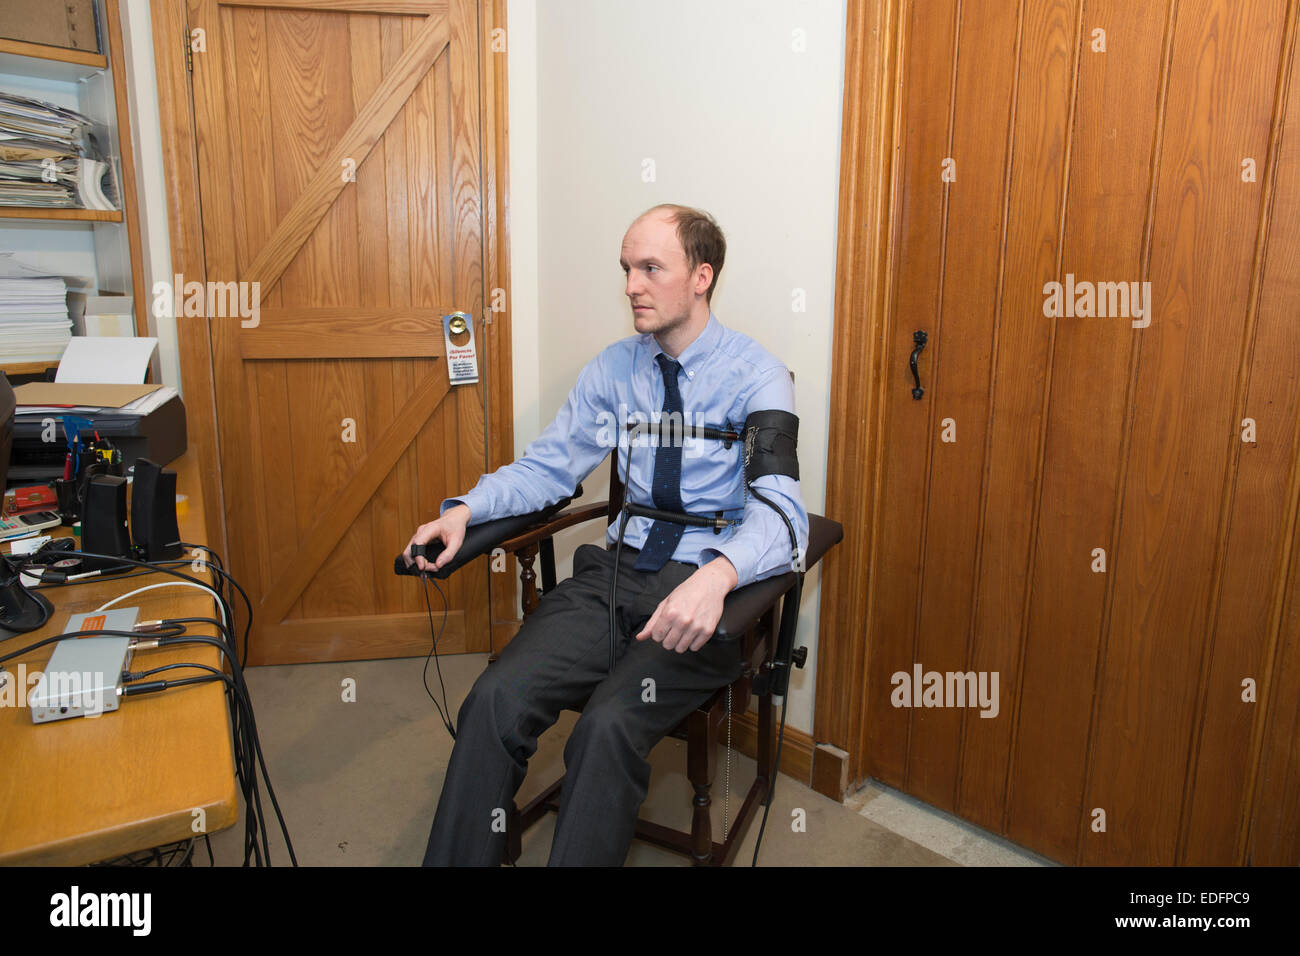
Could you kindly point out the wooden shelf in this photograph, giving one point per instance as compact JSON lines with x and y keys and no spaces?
{"x":80,"y":215}
{"x":27,"y":368}
{"x":49,"y":62}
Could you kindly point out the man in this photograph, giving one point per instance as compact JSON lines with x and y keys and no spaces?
{"x":672,"y":580}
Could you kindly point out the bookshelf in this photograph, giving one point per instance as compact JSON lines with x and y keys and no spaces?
{"x":49,"y":62}
{"x":73,"y":215}
{"x":94,"y":84}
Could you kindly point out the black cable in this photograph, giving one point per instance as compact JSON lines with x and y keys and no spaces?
{"x":151,"y":687}
{"x":154,"y":856}
{"x":771,"y":786}
{"x":158,"y":568}
{"x":794,"y":540}
{"x":95,"y":578}
{"x":154,"y":686}
{"x":139,"y":635}
{"x":789,"y":606}
{"x":613,"y":585}
{"x":433,"y":652}
{"x":254,"y":743}
{"x":247,"y":747}
{"x":141,"y":675}
{"x":220,"y":568}
{"x":152,"y":567}
{"x":623,"y":518}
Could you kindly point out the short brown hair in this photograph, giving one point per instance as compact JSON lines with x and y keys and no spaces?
{"x":700,"y":236}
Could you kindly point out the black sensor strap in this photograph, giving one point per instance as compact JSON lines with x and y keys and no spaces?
{"x":771,"y":440}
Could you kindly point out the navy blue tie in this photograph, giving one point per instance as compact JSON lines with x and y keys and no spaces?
{"x":662,"y":540}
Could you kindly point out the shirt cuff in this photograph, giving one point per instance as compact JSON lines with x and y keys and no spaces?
{"x":474,"y":500}
{"x":742,"y":558}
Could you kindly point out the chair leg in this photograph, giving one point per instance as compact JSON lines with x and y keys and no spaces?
{"x":702,"y":755}
{"x":520,"y":820}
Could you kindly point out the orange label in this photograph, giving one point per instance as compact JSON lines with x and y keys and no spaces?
{"x":95,"y":623}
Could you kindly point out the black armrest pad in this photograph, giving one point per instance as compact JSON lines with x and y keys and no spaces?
{"x":744,"y":606}
{"x":823,"y":534}
{"x":481,"y":539}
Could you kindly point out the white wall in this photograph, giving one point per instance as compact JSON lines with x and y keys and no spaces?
{"x":738,"y":122}
{"x":155,"y":238}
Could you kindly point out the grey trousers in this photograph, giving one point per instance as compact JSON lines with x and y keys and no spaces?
{"x":559,"y":658}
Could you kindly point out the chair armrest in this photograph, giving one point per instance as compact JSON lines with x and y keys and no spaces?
{"x":480,"y":539}
{"x":744,"y":606}
{"x":565,"y":519}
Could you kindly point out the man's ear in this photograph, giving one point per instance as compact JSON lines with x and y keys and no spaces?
{"x":704,"y":278}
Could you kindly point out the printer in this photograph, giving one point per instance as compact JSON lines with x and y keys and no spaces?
{"x":151,"y":426}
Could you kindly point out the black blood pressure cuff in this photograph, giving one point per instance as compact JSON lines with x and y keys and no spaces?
{"x":771,"y":439}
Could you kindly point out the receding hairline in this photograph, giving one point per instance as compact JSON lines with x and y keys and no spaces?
{"x":674,"y":212}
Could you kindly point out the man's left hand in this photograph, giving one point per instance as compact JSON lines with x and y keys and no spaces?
{"x":686,"y":618}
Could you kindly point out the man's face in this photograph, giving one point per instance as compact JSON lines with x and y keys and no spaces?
{"x":661,"y":286}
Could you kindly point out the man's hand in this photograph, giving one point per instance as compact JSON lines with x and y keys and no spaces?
{"x":686,"y":618}
{"x":449,"y":529}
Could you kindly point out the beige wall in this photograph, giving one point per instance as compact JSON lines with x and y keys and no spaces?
{"x":737,"y":121}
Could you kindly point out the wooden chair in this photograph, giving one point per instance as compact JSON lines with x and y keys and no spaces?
{"x":750,"y":616}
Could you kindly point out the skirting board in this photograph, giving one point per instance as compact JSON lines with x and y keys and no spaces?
{"x":821,"y":766}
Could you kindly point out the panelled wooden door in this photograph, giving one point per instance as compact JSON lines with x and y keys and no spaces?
{"x":1098,"y":508}
{"x":339,"y":167}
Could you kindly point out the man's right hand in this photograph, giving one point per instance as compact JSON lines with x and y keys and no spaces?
{"x":449,"y":529}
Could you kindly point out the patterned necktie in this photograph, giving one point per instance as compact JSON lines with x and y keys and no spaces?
{"x":662,"y":540}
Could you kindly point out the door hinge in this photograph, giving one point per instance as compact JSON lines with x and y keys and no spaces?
{"x":189,"y":53}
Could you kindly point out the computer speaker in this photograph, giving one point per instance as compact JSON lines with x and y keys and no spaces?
{"x":153,"y":512}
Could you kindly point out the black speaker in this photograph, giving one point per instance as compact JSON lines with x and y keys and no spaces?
{"x":153,"y":512}
{"x":8,"y":405}
{"x":103,"y":520}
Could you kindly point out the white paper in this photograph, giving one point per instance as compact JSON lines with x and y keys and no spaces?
{"x":105,"y":360}
{"x":29,"y":545}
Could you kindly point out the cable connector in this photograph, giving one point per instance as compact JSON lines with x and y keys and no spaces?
{"x":148,"y":627}
{"x":145,"y":643}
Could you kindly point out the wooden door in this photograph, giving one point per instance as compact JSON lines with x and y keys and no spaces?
{"x":339,"y":168}
{"x":1099,"y":509}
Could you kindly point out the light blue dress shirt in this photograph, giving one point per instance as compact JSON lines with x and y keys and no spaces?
{"x":725,"y":376}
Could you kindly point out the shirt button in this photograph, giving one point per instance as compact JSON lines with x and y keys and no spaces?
{"x":690,"y":374}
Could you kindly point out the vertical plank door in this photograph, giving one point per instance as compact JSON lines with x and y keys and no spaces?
{"x":1096,"y":503}
{"x":339,"y":163}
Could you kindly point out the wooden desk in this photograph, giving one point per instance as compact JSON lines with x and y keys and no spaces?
{"x":87,"y":789}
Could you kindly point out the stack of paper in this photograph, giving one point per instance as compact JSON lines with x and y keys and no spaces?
{"x":34,"y":321}
{"x":43,"y":399}
{"x":48,"y":159}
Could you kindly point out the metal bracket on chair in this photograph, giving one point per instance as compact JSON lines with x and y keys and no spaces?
{"x":775,"y":678}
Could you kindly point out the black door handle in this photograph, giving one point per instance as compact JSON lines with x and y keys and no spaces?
{"x":919,"y":338}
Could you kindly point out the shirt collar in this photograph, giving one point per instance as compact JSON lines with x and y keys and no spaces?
{"x":694,"y":354}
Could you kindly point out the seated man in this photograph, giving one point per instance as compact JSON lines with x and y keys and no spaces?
{"x":672,"y":579}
